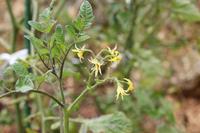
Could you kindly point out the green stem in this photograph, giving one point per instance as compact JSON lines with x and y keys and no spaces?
{"x":27,"y":17}
{"x":14,"y":25}
{"x":66,"y":114}
{"x":33,"y":91}
{"x":14,"y":39}
{"x":66,"y":120}
{"x":130,"y":41}
{"x":85,"y":91}
{"x":41,"y":109}
{"x":66,"y":111}
{"x":62,"y":92}
{"x":20,"y":128}
{"x":63,"y":61}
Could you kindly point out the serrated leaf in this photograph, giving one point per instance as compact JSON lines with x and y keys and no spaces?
{"x":59,"y":35}
{"x":70,"y":31}
{"x":45,"y":22}
{"x":43,"y":26}
{"x":37,"y":43}
{"x":20,"y":69}
{"x":24,"y":84}
{"x":79,"y":24}
{"x":186,"y":10}
{"x":85,"y":16}
{"x":113,"y":123}
{"x":82,"y":38}
{"x":55,"y":52}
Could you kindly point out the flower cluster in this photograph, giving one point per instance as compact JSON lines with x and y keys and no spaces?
{"x":104,"y":57}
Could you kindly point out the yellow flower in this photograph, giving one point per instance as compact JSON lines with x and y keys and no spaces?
{"x":114,"y":55}
{"x":130,"y":85}
{"x":114,"y":58}
{"x":96,"y":66}
{"x":120,"y":91}
{"x":79,"y":52}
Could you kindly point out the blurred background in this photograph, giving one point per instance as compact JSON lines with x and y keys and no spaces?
{"x":159,"y":41}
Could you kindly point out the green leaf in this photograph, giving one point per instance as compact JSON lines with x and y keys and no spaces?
{"x":37,"y":43}
{"x":56,"y":52}
{"x":70,"y":31}
{"x":24,"y":84}
{"x":43,"y":26}
{"x":45,"y":15}
{"x":79,"y":24}
{"x":57,"y":42}
{"x":20,"y":69}
{"x":43,"y":51}
{"x":8,"y":73}
{"x":85,"y":16}
{"x":186,"y":10}
{"x":113,"y":123}
{"x":82,"y":38}
{"x":45,"y":22}
{"x":8,"y":77}
{"x":59,"y":35}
